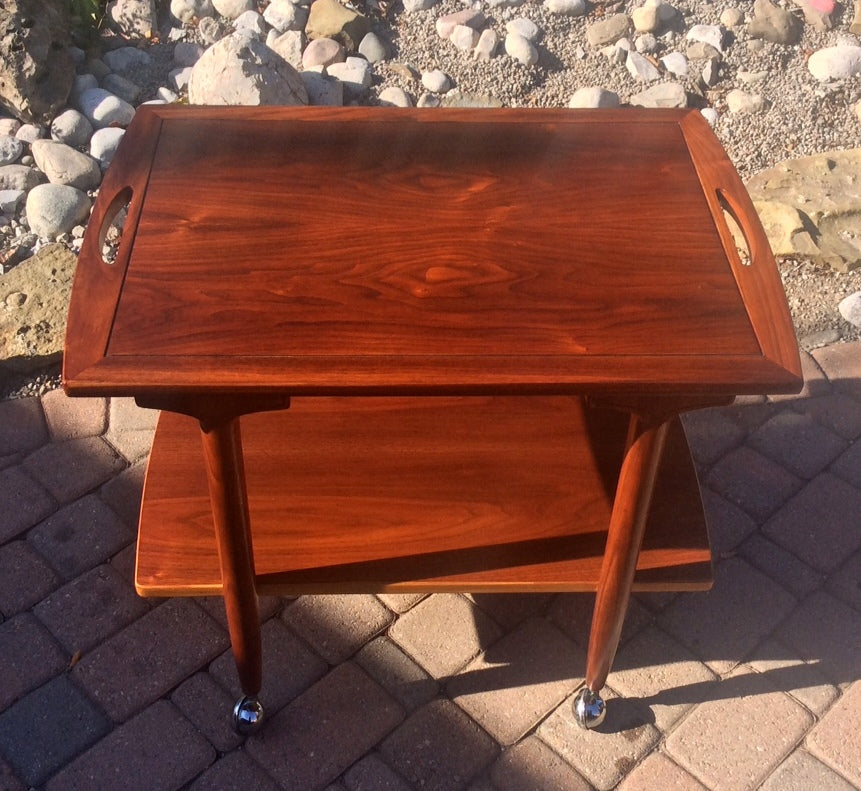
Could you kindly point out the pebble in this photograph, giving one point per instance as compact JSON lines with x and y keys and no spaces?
{"x":102,"y":108}
{"x":707,"y":34}
{"x":19,"y":177}
{"x":464,"y":38}
{"x":835,"y":63}
{"x":739,"y":101}
{"x":593,"y":97}
{"x":127,"y":59}
{"x":104,"y":143}
{"x":53,"y":209}
{"x":485,"y":49}
{"x":323,"y":52}
{"x":608,"y":30}
{"x":27,"y":133}
{"x":641,"y":68}
{"x":646,"y":43}
{"x":676,"y":63}
{"x":436,"y":81}
{"x":373,"y":48}
{"x":524,"y":27}
{"x":664,"y":94}
{"x":521,"y":49}
{"x":850,"y":308}
{"x":470,"y":17}
{"x":732,"y":18}
{"x":711,"y":116}
{"x":120,"y":86}
{"x":355,"y":75}
{"x":566,"y":7}
{"x":65,"y":165}
{"x":11,"y":149}
{"x":395,"y":97}
{"x":72,"y":128}
{"x":283,"y":15}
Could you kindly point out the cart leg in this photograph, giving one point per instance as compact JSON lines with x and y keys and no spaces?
{"x":222,"y":446}
{"x":627,"y":524}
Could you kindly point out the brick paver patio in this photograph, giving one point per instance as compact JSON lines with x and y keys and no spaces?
{"x":754,"y":685}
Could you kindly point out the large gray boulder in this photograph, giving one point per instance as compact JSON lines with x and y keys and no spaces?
{"x":36,"y":68}
{"x":34,"y":302}
{"x":241,"y":70}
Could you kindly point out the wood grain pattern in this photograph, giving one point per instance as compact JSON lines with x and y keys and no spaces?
{"x":419,"y":494}
{"x":384,"y":250}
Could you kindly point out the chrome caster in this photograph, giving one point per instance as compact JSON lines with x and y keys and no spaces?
{"x":589,"y":709}
{"x":247,"y":715}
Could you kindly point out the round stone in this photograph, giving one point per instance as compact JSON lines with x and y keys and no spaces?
{"x":436,"y":81}
{"x":10,"y":149}
{"x":53,"y":209}
{"x":72,"y":128}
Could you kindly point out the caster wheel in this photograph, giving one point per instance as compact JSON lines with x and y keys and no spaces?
{"x":589,"y":708}
{"x":247,"y":715}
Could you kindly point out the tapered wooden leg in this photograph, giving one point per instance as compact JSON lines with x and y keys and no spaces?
{"x":627,"y":524}
{"x":222,"y":446}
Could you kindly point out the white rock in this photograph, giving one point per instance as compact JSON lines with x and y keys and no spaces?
{"x":127,"y":59}
{"x":53,"y":209}
{"x":428,"y":100}
{"x":10,"y":149}
{"x":187,"y":53}
{"x":288,"y":45}
{"x":11,"y":201}
{"x":488,"y":41}
{"x":27,"y":133}
{"x":835,"y":63}
{"x":373,"y":48}
{"x":419,"y":5}
{"x":664,"y":94}
{"x":395,"y":97}
{"x":81,"y":83}
{"x":645,"y":19}
{"x":850,"y":308}
{"x":566,"y":7}
{"x":592,"y":97}
{"x":470,"y":17}
{"x":186,"y":11}
{"x":323,"y":52}
{"x":732,"y":17}
{"x":436,"y":81}
{"x":63,"y":164}
{"x":740,"y":102}
{"x":120,"y":86}
{"x":355,"y":74}
{"x":505,"y":3}
{"x":102,"y":108}
{"x":19,"y":177}
{"x":521,"y":49}
{"x":283,"y":15}
{"x":240,"y":69}
{"x":322,"y":90}
{"x":675,"y":63}
{"x":645,"y":43}
{"x":641,"y":68}
{"x":464,"y":38}
{"x":711,"y":116}
{"x":251,"y":21}
{"x":524,"y":27}
{"x":103,"y":145}
{"x":707,"y":34}
{"x":133,"y":18}
{"x":231,"y":9}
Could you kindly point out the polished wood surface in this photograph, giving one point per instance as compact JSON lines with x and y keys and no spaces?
{"x":379,"y":251}
{"x":373,"y":494}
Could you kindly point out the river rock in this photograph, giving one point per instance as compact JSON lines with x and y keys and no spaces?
{"x":608,"y":30}
{"x":486,"y":46}
{"x":471,"y":17}
{"x":521,"y":49}
{"x":34,"y":303}
{"x":72,"y":128}
{"x":288,"y":45}
{"x":732,"y":17}
{"x":711,"y":35}
{"x":133,"y":18}
{"x":102,"y":108}
{"x":252,"y":22}
{"x":664,"y":94}
{"x":322,"y":90}
{"x":835,"y":63}
{"x":652,"y":15}
{"x":9,"y":126}
{"x":436,"y":81}
{"x":104,"y":144}
{"x":53,"y":209}
{"x":323,"y":52}
{"x":774,"y":24}
{"x":566,"y":7}
{"x":373,"y":48}
{"x":676,"y":64}
{"x":593,"y":97}
{"x":19,"y":177}
{"x":36,"y":68}
{"x":11,"y":149}
{"x":395,"y":97}
{"x":63,"y":164}
{"x":186,"y":11}
{"x":27,"y":133}
{"x":127,"y":59}
{"x":355,"y":75}
{"x":329,"y":19}
{"x":283,"y":15}
{"x":240,"y":69}
{"x":641,"y":68}
{"x":123,"y":87}
{"x":850,"y":308}
{"x":232,"y":9}
{"x":738,"y":101}
{"x":464,"y":38}
{"x":524,"y":27}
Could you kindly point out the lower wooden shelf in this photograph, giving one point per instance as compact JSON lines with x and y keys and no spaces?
{"x":492,"y":494}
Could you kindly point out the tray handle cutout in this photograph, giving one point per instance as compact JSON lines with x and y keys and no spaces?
{"x":111,"y":226}
{"x":734,"y":219}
